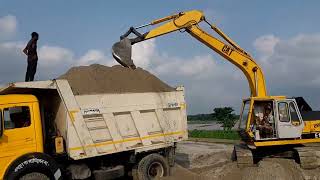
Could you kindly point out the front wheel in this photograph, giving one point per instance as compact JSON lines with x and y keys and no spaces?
{"x":152,"y":166}
{"x":34,"y":176}
{"x":34,"y":166}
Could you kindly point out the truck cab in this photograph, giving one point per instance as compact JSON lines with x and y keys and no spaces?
{"x":48,"y":132}
{"x":20,"y":128}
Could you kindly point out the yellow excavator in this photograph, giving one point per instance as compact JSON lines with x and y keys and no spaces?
{"x":270,"y":126}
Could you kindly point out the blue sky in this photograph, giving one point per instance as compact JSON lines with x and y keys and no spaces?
{"x":81,"y":25}
{"x":272,"y":31}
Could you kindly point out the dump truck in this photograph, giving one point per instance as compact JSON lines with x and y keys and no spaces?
{"x":48,"y":132}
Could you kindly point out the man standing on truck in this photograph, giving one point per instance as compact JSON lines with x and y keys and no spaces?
{"x":31,"y":52}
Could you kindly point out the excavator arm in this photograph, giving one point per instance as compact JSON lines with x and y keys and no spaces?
{"x":189,"y":22}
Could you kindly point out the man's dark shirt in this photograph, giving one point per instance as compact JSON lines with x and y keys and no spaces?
{"x":32,"y":50}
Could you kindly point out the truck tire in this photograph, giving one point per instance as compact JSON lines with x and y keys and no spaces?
{"x":34,"y":176}
{"x":34,"y":165}
{"x":152,"y":166}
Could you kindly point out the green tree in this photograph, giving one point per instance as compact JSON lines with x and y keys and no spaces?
{"x":225,"y":117}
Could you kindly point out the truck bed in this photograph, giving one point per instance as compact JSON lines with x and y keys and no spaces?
{"x":100,"y":124}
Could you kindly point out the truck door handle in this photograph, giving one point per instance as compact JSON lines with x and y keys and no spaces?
{"x":28,"y":139}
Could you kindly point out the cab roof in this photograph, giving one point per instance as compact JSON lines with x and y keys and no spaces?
{"x":17,"y":98}
{"x":266,"y":98}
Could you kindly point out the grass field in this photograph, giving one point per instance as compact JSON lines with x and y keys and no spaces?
{"x":201,"y":122}
{"x":216,"y":134}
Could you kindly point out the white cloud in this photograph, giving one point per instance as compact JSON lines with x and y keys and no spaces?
{"x":94,"y":56}
{"x":15,"y":44}
{"x":91,"y":57}
{"x":53,"y":55}
{"x":8,"y":25}
{"x":12,"y":62}
{"x":142,"y":53}
{"x":265,"y":44}
{"x":145,"y":55}
{"x":291,"y":66}
{"x":53,"y":61}
{"x":195,"y":67}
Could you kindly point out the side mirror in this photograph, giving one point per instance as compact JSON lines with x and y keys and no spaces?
{"x":1,"y":124}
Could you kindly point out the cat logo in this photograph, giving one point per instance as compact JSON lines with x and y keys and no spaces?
{"x":227,"y":50}
{"x":316,"y":125}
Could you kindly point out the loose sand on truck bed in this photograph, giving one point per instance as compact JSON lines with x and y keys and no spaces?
{"x":98,"y":79}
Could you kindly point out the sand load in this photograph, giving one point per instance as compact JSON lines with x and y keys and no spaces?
{"x":98,"y":79}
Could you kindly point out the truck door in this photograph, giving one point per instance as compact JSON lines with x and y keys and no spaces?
{"x":289,"y":121}
{"x":19,"y":134}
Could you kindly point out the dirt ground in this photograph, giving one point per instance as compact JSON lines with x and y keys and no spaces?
{"x":198,"y":161}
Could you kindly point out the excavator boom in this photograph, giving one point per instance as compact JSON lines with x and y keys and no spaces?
{"x":189,"y":22}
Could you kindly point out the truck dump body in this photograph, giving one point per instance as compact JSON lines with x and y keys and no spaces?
{"x":100,"y":124}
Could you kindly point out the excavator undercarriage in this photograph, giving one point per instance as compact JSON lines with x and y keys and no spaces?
{"x":307,"y":155}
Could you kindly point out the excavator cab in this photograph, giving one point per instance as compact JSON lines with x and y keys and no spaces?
{"x":265,"y":119}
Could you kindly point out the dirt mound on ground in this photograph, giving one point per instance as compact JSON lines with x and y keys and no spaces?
{"x":97,"y":79}
{"x":274,"y":169}
{"x":268,"y":169}
{"x":212,"y":161}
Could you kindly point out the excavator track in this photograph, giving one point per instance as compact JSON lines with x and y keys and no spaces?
{"x":243,"y":155}
{"x":309,"y":156}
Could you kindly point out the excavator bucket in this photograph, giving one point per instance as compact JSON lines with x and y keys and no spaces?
{"x":122,"y":52}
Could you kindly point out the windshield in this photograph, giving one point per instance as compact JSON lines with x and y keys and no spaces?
{"x":244,"y":115}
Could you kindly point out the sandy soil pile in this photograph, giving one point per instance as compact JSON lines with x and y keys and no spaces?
{"x":268,"y":169}
{"x":96,"y":79}
{"x":212,"y":161}
{"x":198,"y":155}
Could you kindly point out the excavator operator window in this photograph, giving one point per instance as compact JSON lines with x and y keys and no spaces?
{"x":283,"y":112}
{"x":16,"y":117}
{"x":294,"y":116}
{"x":244,"y":115}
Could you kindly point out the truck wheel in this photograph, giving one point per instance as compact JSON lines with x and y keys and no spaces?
{"x":35,"y":176}
{"x":152,"y":166}
{"x":34,"y":166}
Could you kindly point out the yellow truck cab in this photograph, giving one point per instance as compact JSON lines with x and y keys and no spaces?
{"x":20,"y":129}
{"x":48,"y":132}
